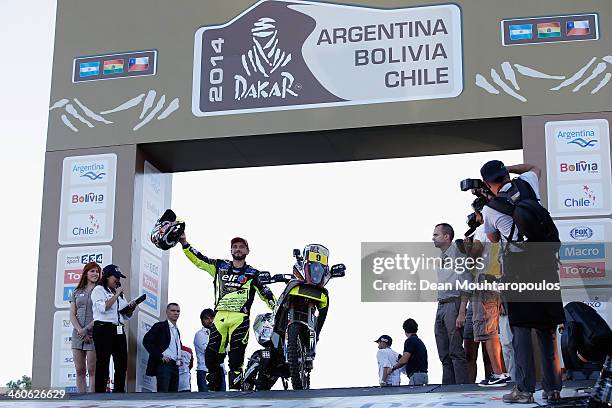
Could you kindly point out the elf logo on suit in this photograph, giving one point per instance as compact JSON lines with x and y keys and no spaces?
{"x":163,"y":343}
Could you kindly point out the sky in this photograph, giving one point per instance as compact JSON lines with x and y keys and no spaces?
{"x":380,"y":200}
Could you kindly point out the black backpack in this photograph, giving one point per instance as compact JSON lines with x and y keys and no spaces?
{"x":531,"y":219}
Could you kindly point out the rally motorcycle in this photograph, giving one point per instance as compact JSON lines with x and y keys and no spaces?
{"x":289,"y":335}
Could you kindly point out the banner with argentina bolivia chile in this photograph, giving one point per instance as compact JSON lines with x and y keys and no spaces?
{"x":281,"y":55}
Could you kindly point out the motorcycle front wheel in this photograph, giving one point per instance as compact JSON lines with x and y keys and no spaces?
{"x":296,"y":354}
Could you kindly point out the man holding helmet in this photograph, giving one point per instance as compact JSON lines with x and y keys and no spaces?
{"x":235,"y":286}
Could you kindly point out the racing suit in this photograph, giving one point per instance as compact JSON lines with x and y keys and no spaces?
{"x":234,"y":293}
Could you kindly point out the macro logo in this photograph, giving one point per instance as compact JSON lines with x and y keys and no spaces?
{"x":584,"y":139}
{"x":581,"y":233}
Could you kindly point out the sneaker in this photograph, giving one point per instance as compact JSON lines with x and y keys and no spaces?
{"x":518,"y":397}
{"x":495,"y":380}
{"x":551,"y":396}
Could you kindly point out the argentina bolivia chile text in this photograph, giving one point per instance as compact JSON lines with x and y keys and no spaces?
{"x":281,"y":55}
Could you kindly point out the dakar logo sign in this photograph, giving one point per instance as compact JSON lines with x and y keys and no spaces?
{"x":296,"y":54}
{"x":265,"y":58}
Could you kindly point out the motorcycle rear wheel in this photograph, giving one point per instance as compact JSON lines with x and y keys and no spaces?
{"x":296,"y":354}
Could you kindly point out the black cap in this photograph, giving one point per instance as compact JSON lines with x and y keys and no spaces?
{"x":493,"y":170}
{"x":113,"y":270}
{"x":384,"y":338}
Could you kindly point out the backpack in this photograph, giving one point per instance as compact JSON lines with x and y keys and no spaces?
{"x":587,"y":333}
{"x":528,"y":216}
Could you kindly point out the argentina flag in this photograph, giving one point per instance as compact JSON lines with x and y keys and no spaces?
{"x":521,"y":32}
{"x":87,"y":69}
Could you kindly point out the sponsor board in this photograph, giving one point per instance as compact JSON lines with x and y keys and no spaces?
{"x":579,"y":177}
{"x":112,"y":66}
{"x":150,"y":282}
{"x":542,"y":30}
{"x":69,"y":267}
{"x":87,"y":199}
{"x":63,"y":373}
{"x":580,"y":196}
{"x":582,"y":251}
{"x":583,"y":270}
{"x":144,"y":383}
{"x":585,"y":167}
{"x":598,"y":298}
{"x":281,"y":55}
{"x":155,"y":185}
{"x":585,"y":230}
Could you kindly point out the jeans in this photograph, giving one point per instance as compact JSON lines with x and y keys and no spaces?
{"x":201,"y":377}
{"x":418,"y":379}
{"x":549,"y":359}
{"x":167,"y":377}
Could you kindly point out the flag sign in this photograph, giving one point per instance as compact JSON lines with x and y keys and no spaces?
{"x":553,"y":29}
{"x":112,"y":66}
{"x":88,"y":69}
{"x":580,"y":27}
{"x":138,"y":64}
{"x":521,"y":32}
{"x":548,"y":30}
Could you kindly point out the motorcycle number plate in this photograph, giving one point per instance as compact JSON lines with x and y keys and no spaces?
{"x":315,"y":257}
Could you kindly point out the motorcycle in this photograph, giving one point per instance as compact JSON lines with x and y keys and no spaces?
{"x":290,"y":333}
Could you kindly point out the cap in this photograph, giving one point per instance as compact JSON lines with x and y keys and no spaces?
{"x":492,"y":170}
{"x":113,"y":270}
{"x":384,"y":338}
{"x":238,"y":239}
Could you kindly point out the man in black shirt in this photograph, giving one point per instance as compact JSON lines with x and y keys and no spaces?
{"x":414,"y":356}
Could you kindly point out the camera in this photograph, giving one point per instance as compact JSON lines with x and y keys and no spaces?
{"x":472,"y":222}
{"x":477,"y":187}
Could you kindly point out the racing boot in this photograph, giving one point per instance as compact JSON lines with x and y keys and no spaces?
{"x":235,"y":380}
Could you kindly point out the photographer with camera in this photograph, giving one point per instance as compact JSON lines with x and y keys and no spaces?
{"x":485,"y":305}
{"x":509,"y":204}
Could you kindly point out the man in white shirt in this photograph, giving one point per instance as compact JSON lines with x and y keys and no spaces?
{"x":517,"y":264}
{"x":185,"y":369}
{"x":387,"y":358}
{"x":200,"y":343}
{"x":163,"y":342}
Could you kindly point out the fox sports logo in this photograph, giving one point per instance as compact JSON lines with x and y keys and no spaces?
{"x":581,"y":233}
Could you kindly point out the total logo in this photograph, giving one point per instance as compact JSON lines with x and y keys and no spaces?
{"x":581,"y":233}
{"x":579,"y":167}
{"x":92,"y":228}
{"x":584,"y":139}
{"x":583,"y":270}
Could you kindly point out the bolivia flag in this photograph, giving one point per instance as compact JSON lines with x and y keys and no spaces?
{"x":138,"y":64}
{"x":113,"y":66}
{"x":548,"y":30}
{"x":578,"y":27}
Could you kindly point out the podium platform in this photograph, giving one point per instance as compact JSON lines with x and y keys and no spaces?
{"x":430,"y":396}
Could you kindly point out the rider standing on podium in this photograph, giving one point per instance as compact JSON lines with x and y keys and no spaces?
{"x":235,"y":286}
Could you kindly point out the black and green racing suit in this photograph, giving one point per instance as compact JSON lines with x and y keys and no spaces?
{"x":234,"y":293}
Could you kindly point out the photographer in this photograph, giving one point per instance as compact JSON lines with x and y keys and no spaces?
{"x":524,"y":315}
{"x":485,"y":304}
